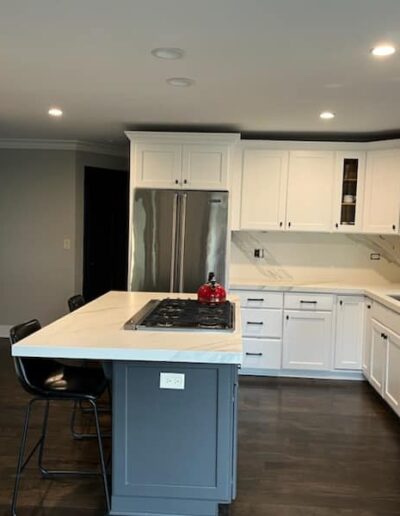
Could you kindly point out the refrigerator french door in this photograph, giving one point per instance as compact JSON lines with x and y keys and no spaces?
{"x":177,"y":237}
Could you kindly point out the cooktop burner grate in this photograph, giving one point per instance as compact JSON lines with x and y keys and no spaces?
{"x":182,"y":314}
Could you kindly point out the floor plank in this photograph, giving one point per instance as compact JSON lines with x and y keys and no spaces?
{"x":306,"y":448}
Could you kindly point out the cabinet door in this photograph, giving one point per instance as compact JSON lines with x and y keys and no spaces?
{"x":382,"y":192}
{"x":349,"y":332}
{"x":366,"y":354}
{"x":378,"y":347}
{"x":307,"y":340}
{"x":310,"y":191}
{"x":205,"y":167}
{"x":257,"y":322}
{"x":157,"y":165}
{"x":391,"y":390}
{"x":264,"y":182}
{"x":349,"y":191}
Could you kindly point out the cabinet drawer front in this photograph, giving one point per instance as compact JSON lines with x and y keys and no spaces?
{"x":259,"y":299}
{"x":261,"y":323}
{"x":309,"y":301}
{"x":262,"y":353}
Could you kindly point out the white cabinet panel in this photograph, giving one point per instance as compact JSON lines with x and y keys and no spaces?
{"x":261,"y":323}
{"x":349,"y":332}
{"x":205,"y":167}
{"x":307,"y":340}
{"x":378,"y":353}
{"x":264,"y":183}
{"x":366,"y":354}
{"x":262,"y":353}
{"x":382,"y":192}
{"x":310,"y":190}
{"x":157,"y":165}
{"x":392,"y":370}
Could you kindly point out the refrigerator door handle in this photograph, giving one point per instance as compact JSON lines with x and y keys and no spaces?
{"x":182,"y":240}
{"x":173,"y":243}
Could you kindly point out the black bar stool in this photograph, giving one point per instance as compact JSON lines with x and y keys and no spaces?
{"x":49,"y":380}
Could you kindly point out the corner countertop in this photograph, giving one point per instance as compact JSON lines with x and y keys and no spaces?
{"x":379,"y":293}
{"x":95,"y":331}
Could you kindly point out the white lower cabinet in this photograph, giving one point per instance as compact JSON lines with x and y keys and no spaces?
{"x":366,"y":353}
{"x":391,"y":391}
{"x":307,"y":340}
{"x":258,"y":322}
{"x":262,"y":353}
{"x":378,"y":355}
{"x":349,"y":332}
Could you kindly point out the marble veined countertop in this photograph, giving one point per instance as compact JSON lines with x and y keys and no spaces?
{"x":380,"y":293}
{"x":95,"y":331}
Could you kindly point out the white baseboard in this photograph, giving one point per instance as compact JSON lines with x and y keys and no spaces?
{"x":291,"y":373}
{"x":5,"y":330}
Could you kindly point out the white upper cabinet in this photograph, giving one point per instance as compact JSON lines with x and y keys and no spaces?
{"x":264,"y":183}
{"x":197,"y":161}
{"x":349,"y":332}
{"x":349,"y":191}
{"x":157,"y":165}
{"x":205,"y":167}
{"x":382,"y":192}
{"x":310,"y":190}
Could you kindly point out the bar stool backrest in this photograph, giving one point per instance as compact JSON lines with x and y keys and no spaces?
{"x":76,"y":302}
{"x":31,"y":372}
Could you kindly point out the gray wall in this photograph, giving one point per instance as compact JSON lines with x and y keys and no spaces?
{"x":41,"y":204}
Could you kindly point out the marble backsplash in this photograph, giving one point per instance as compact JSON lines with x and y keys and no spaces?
{"x":314,"y":258}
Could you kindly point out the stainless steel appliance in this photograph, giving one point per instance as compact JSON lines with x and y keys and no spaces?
{"x":182,"y":314}
{"x":177,"y":238}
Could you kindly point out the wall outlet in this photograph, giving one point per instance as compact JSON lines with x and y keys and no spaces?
{"x":375,"y":256}
{"x":258,"y":253}
{"x":172,"y":381}
{"x":67,"y":244}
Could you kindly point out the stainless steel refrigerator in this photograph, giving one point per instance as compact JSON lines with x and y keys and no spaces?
{"x":177,"y":237}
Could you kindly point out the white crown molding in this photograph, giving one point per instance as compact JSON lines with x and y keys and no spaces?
{"x":161,"y":136}
{"x":70,"y":145}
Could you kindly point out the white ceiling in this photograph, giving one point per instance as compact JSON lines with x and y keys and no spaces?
{"x":259,"y":66}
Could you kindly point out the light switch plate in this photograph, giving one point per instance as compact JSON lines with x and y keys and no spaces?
{"x":172,"y":381}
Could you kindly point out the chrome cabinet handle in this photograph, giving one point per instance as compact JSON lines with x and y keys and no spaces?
{"x":254,"y":354}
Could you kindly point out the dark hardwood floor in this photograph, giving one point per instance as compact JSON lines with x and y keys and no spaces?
{"x":306,"y":448}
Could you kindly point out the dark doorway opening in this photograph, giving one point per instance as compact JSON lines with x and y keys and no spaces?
{"x":106,"y":224}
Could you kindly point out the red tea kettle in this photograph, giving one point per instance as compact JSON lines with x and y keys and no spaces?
{"x":211,"y":292}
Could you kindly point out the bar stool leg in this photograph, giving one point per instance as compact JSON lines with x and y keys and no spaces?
{"x":21,"y":457}
{"x":101,"y":455}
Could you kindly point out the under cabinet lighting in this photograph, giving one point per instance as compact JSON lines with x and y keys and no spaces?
{"x":327,"y":115}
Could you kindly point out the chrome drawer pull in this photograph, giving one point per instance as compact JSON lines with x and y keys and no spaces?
{"x":255,"y":299}
{"x":254,"y":354}
{"x":309,"y":302}
{"x":253,"y":322}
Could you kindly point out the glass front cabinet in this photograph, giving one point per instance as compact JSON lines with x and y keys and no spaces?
{"x":350,"y":177}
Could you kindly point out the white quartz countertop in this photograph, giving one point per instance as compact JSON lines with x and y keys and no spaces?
{"x":380,"y":293}
{"x":95,"y":331}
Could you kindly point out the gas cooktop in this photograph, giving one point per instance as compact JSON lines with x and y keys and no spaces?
{"x":183,"y":314}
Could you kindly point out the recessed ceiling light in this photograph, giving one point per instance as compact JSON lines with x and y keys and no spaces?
{"x":55,"y":111}
{"x":327,"y":115}
{"x":182,"y":82}
{"x":383,"y":50}
{"x":168,"y":53}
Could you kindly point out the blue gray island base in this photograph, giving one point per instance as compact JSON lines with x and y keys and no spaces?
{"x":174,"y":450}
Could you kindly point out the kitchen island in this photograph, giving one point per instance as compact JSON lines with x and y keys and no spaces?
{"x":174,"y":437}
